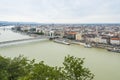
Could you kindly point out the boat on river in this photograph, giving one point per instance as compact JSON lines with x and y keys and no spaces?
{"x":61,"y":41}
{"x":87,"y":46}
{"x":114,"y":50}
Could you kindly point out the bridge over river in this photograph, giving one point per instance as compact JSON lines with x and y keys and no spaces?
{"x":13,"y":42}
{"x":18,"y":41}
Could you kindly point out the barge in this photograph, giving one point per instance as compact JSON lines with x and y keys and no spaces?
{"x":61,"y":41}
{"x":114,"y":50}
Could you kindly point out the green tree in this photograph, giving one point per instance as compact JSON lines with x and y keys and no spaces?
{"x":17,"y":68}
{"x":4,"y":62}
{"x":44,"y":72}
{"x":20,"y":68}
{"x":32,"y":30}
{"x":74,"y":70}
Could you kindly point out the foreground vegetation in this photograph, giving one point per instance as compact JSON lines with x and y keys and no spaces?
{"x":20,"y":68}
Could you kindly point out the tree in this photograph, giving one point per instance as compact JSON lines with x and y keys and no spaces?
{"x":74,"y":69}
{"x":4,"y":62}
{"x":41,"y":71}
{"x":20,"y":68}
{"x":32,"y":30}
{"x":17,"y":68}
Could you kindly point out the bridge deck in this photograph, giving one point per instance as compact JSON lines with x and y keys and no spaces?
{"x":22,"y":40}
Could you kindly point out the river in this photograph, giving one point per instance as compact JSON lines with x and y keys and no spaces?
{"x":6,"y":34}
{"x":105,"y":65}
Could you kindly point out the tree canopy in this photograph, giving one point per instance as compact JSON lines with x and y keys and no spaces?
{"x":20,"y":68}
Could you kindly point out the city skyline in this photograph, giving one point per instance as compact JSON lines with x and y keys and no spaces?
{"x":60,"y":11}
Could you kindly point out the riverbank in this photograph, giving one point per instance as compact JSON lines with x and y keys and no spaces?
{"x":98,"y":45}
{"x":78,"y":43}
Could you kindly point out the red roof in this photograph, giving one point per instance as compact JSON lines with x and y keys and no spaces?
{"x":115,"y":38}
{"x":71,"y":33}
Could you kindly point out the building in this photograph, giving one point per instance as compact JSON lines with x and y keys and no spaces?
{"x":115,"y":41}
{"x":79,"y":36}
{"x":71,"y":35}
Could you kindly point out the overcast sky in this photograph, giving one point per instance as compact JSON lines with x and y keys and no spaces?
{"x":60,"y":11}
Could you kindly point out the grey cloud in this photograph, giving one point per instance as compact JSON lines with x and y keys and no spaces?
{"x":59,"y":9}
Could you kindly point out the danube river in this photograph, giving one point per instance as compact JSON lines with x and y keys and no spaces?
{"x":6,"y":34}
{"x":105,"y":65}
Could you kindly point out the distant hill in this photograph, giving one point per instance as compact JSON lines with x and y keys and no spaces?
{"x":6,"y":23}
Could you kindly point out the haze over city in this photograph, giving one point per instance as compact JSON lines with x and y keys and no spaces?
{"x":60,"y":11}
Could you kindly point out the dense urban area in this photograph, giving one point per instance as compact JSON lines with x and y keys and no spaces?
{"x":105,"y":36}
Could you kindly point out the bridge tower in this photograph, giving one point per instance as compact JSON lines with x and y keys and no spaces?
{"x":51,"y":34}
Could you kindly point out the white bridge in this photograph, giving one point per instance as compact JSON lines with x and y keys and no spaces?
{"x":14,"y":42}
